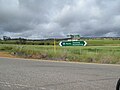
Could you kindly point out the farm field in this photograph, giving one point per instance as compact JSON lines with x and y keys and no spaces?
{"x":90,"y":42}
{"x":92,"y":54}
{"x":105,"y":42}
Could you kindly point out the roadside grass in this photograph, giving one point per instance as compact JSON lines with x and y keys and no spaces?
{"x":92,"y":54}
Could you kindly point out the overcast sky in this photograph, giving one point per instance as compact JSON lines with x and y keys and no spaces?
{"x":57,"y":18}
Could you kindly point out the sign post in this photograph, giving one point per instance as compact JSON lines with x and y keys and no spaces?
{"x":54,"y":46}
{"x":73,"y":43}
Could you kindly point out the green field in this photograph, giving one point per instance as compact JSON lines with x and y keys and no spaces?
{"x":105,"y":42}
{"x":92,"y":54}
{"x":91,"y":42}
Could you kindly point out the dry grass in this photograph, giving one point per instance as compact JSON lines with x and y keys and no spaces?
{"x":6,"y":54}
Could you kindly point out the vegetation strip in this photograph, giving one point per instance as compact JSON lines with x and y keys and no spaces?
{"x":91,"y":54}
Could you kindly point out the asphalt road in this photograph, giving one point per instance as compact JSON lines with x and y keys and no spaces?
{"x":18,"y":74}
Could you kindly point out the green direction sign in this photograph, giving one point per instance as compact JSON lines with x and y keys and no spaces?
{"x":73,"y":43}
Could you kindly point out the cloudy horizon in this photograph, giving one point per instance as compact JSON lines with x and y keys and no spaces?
{"x":58,"y":18}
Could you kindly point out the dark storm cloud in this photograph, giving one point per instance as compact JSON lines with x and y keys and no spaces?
{"x":57,"y":18}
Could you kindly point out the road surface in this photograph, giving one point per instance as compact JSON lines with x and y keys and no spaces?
{"x":18,"y":74}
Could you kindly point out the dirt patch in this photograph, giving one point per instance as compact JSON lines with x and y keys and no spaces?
{"x":6,"y":54}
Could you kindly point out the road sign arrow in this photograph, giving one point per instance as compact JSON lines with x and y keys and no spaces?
{"x":73,"y":43}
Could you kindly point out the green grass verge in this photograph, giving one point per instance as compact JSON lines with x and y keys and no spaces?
{"x":92,"y":54}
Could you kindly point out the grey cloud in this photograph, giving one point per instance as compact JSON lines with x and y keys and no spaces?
{"x":57,"y":18}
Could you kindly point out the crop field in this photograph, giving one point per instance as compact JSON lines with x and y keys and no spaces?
{"x":92,"y":54}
